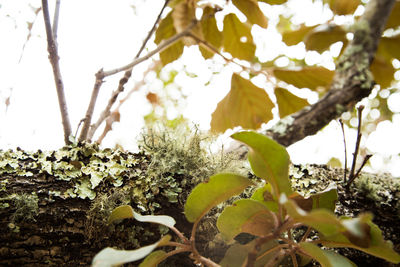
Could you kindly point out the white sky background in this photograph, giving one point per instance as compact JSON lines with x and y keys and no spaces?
{"x":96,"y":34}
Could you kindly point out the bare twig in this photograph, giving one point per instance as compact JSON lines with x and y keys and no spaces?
{"x":100,"y":75}
{"x":367,"y":157}
{"x":55,"y":19}
{"x":107,"y":111}
{"x":89,"y":112}
{"x":345,"y":150}
{"x":164,"y":45}
{"x":353,"y":166}
{"x":53,"y":56}
{"x":30,"y":26}
{"x":127,"y":75}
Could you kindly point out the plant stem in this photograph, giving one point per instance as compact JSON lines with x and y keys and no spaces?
{"x":54,"y":60}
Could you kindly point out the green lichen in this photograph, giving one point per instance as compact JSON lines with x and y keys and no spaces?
{"x":85,"y":166}
{"x":281,"y":127}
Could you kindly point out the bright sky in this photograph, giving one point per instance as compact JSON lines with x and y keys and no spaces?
{"x":96,"y":34}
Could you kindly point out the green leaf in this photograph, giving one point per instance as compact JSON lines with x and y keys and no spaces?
{"x":217,"y":189}
{"x":245,"y":105}
{"x":325,"y":199}
{"x":273,"y":2}
{"x":268,"y":159}
{"x":264,"y":196}
{"x":294,"y":37}
{"x":324,"y":221}
{"x":394,"y":18}
{"x":111,"y":257}
{"x":238,"y":40}
{"x":378,"y":247}
{"x":324,"y":257}
{"x":344,"y":7}
{"x":237,"y":254}
{"x":164,"y":31}
{"x":306,"y":77}
{"x":153,"y":259}
{"x":246,"y":216}
{"x":382,"y":71}
{"x":252,"y":11}
{"x":322,"y":37}
{"x":211,"y":34}
{"x":126,"y":211}
{"x":288,"y":103}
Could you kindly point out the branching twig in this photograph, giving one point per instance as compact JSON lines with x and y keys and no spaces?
{"x":127,"y":75}
{"x":107,"y":111}
{"x":100,"y":75}
{"x":164,"y":45}
{"x":367,"y":157}
{"x":53,"y":56}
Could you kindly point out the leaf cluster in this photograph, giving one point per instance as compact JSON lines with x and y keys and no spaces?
{"x":272,"y":216}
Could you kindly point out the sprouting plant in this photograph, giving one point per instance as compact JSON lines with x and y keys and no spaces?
{"x":280,"y":220}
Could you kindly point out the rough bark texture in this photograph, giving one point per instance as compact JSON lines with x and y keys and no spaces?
{"x":44,"y":225}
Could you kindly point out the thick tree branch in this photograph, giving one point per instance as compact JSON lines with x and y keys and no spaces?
{"x":54,"y":60}
{"x":352,"y":81}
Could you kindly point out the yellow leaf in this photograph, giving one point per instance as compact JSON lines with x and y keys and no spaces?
{"x":296,"y":36}
{"x":344,"y":7}
{"x":245,"y":105}
{"x":237,"y":38}
{"x":288,"y":103}
{"x":306,"y":77}
{"x":164,"y":31}
{"x":321,"y":38}
{"x":383,"y":72}
{"x":183,"y":15}
{"x":211,"y":34}
{"x":252,"y":11}
{"x":394,"y":18}
{"x":389,"y":47}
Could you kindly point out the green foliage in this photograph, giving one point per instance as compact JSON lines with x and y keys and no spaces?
{"x":210,"y":193}
{"x":272,"y":226}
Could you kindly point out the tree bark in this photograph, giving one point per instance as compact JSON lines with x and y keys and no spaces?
{"x":44,"y":224}
{"x":352,"y":81}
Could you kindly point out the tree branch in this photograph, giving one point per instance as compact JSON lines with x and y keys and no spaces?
{"x":352,"y":81}
{"x":54,"y":60}
{"x":100,"y":75}
{"x":127,"y":75}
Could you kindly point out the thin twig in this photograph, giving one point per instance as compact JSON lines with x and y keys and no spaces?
{"x":367,"y":157}
{"x":345,"y":150}
{"x":55,"y":19}
{"x":127,"y":75}
{"x":211,"y":48}
{"x":107,"y":111}
{"x":100,"y":75}
{"x":89,"y":112}
{"x":53,"y":56}
{"x":164,"y":45}
{"x":353,"y":166}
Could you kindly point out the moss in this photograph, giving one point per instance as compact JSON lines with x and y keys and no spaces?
{"x":25,"y":205}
